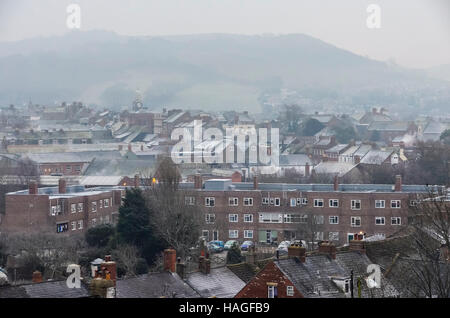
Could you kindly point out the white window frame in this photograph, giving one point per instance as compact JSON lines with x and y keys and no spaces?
{"x":248,"y":201}
{"x":290,"y":291}
{"x":316,"y":203}
{"x":106,"y":203}
{"x":233,"y":201}
{"x":80,"y":207}
{"x":271,"y":291}
{"x":382,"y":220}
{"x":398,"y":218}
{"x":293,"y":202}
{"x":248,"y":234}
{"x":381,"y":203}
{"x":189,"y":200}
{"x":333,"y":236}
{"x":276,"y":202}
{"x":331,"y":217}
{"x":353,"y":220}
{"x":233,"y":217}
{"x":208,"y":218}
{"x":94,"y":206}
{"x":80,"y":224}
{"x":233,"y":234}
{"x":73,"y":208}
{"x":74,"y":225}
{"x":249,"y":218}
{"x":354,"y":203}
{"x":333,"y":203}
{"x":398,"y":204}
{"x":210,"y":201}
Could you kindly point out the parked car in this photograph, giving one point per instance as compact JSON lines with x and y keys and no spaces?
{"x":213,"y":248}
{"x":246,"y":245}
{"x":283,"y":247}
{"x":220,"y":243}
{"x":229,"y":244}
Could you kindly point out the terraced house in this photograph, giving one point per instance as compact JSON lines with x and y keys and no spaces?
{"x":273,"y":212}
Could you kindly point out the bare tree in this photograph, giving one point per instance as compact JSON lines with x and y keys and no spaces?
{"x":127,"y":256}
{"x":309,"y":227}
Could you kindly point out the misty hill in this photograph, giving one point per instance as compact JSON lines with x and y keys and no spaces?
{"x":211,"y":72}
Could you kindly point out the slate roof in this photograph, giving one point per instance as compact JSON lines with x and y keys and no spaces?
{"x":220,"y":282}
{"x":389,"y":126}
{"x":334,"y":167}
{"x":52,"y":289}
{"x":154,"y":285}
{"x":294,"y":160}
{"x":121,"y":167}
{"x":83,"y":156}
{"x":376,"y":157}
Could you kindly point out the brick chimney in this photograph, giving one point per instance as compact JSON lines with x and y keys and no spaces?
{"x":398,"y":183}
{"x":255,"y":182}
{"x":170,"y":260}
{"x":307,"y":169}
{"x":297,"y":251}
{"x":336,"y":183}
{"x":62,"y":185}
{"x":358,"y":245}
{"x":181,"y":268}
{"x":37,"y":277}
{"x":137,"y":181}
{"x":357,"y":159}
{"x":198,"y":182}
{"x":32,"y":187}
{"x":130,"y":148}
{"x":109,"y":269}
{"x":204,"y":265}
{"x":328,"y":248}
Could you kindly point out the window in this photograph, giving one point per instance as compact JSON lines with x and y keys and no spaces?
{"x":77,"y":168}
{"x":94,"y":206}
{"x":189,"y":200}
{"x":233,"y":233}
{"x":318,"y":219}
{"x":318,"y":203}
{"x":210,"y":201}
{"x":248,"y":234}
{"x":356,"y":204}
{"x":318,"y":236}
{"x":270,"y":218}
{"x":271,"y":291}
{"x":304,"y":201}
{"x":74,"y":225}
{"x":395,"y":204}
{"x":355,"y":221}
{"x":248,"y":218}
{"x":73,"y":208}
{"x":233,"y":217}
{"x":80,"y":207}
{"x":205,"y":234}
{"x":396,"y":220}
{"x":94,"y":221}
{"x":210,"y":218}
{"x":68,"y":168}
{"x":294,"y":218}
{"x":106,"y":203}
{"x":293,"y":201}
{"x":289,"y":290}
{"x":62,"y":227}
{"x":265,"y":201}
{"x":233,"y":201}
{"x":413,"y":203}
{"x":248,"y":201}
{"x":379,"y":220}
{"x":277,"y":201}
{"x":333,"y":236}
{"x":334,"y":203}
{"x":100,"y":204}
{"x":334,"y":219}
{"x":379,"y":204}
{"x":80,"y":224}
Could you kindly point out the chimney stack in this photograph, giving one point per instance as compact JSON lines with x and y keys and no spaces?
{"x":120,"y":147}
{"x":297,"y":251}
{"x":358,"y":245}
{"x":336,"y":183}
{"x":357,"y":159}
{"x":398,"y":183}
{"x":130,"y":148}
{"x":307,"y":169}
{"x":37,"y":277}
{"x":181,"y":269}
{"x":109,"y":269}
{"x":328,"y":248}
{"x":170,"y":260}
{"x":62,"y":185}
{"x":137,"y":181}
{"x":198,"y":182}
{"x":204,"y":265}
{"x":32,"y":187}
{"x":255,"y":182}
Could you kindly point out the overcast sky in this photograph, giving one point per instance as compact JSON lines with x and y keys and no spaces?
{"x":414,"y":33}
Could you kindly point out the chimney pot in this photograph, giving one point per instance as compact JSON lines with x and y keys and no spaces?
{"x":37,"y":277}
{"x":298,"y":252}
{"x":33,"y":187}
{"x":170,"y":260}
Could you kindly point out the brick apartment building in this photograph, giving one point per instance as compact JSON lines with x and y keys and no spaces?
{"x":63,"y":209}
{"x":269,"y":212}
